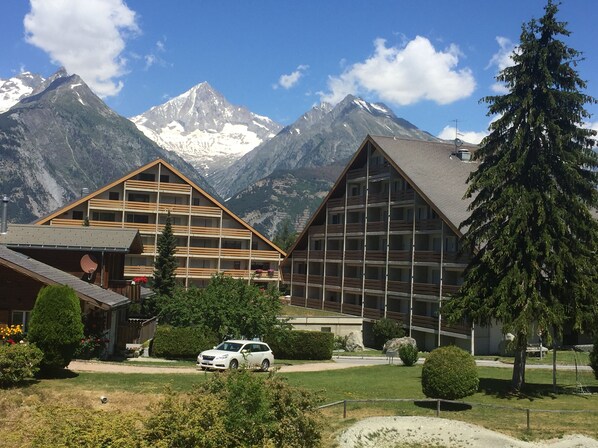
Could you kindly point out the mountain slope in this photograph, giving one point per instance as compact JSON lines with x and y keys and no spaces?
{"x":63,"y":139}
{"x":204,"y":128}
{"x":323,"y":136}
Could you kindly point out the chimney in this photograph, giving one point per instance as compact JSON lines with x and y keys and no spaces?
{"x":4,"y":223}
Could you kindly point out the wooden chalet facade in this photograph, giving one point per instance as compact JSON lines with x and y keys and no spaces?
{"x":210,"y":238}
{"x":384,"y":242}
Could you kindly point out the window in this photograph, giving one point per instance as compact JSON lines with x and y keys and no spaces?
{"x":113,"y":195}
{"x":148,"y":177}
{"x":236,"y":265}
{"x":137,"y":197}
{"x":77,"y":214}
{"x":139,"y":219}
{"x":104,"y":216}
{"x":196,"y":201}
{"x":21,"y":318}
{"x":164,"y":178}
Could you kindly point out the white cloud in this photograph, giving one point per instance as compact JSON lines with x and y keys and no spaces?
{"x":405,"y":75}
{"x":448,"y":133}
{"x":502,"y":59}
{"x":290,"y":80}
{"x":154,"y":57}
{"x":86,"y":37}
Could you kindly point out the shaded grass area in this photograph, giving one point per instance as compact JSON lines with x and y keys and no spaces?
{"x":299,"y":311}
{"x":133,"y":392}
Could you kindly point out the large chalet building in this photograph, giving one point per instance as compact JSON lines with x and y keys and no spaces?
{"x":384,"y":242}
{"x":210,"y":238}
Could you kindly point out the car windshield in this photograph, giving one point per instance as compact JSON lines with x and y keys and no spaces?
{"x":229,"y":346}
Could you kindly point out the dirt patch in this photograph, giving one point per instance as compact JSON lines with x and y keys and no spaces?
{"x":392,"y":432}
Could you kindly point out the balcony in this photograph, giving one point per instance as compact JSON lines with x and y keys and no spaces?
{"x":375,"y":255}
{"x":300,"y":254}
{"x":376,"y":285}
{"x":316,"y":254}
{"x":317,"y":230}
{"x":315,"y":279}
{"x":354,"y":255}
{"x":354,"y":310}
{"x":332,"y":306}
{"x":336,"y":202}
{"x":402,"y":196}
{"x":378,"y":198}
{"x":337,"y":229}
{"x":427,"y":289}
{"x":397,"y":286}
{"x":334,"y":255}
{"x":401,"y":226}
{"x":355,"y":283}
{"x":426,"y":256}
{"x":355,"y":227}
{"x":428,"y":224}
{"x":333,"y":281}
{"x":399,"y":255}
{"x":377,"y":226}
{"x":372,"y":313}
{"x":399,"y":317}
{"x":141,"y":185}
{"x":299,"y":278}
{"x":298,"y":301}
{"x":355,"y":200}
{"x":314,"y":303}
{"x":357,"y":173}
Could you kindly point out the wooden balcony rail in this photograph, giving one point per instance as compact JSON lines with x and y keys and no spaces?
{"x":353,"y":283}
{"x":455,"y":328}
{"x":378,"y":198}
{"x":427,"y":256}
{"x":375,"y":255}
{"x":317,"y":230}
{"x":299,"y":278}
{"x":314,"y":303}
{"x":399,"y":255}
{"x":377,"y":285}
{"x":196,"y":272}
{"x":355,"y":227}
{"x":315,"y":279}
{"x":397,"y":286}
{"x":265,"y":255}
{"x":379,"y":170}
{"x":354,"y":255}
{"x":377,"y":226}
{"x":428,"y":224}
{"x":79,"y":222}
{"x":298,"y":301}
{"x":333,"y":281}
{"x":234,"y":253}
{"x":300,"y":254}
{"x":149,"y":249}
{"x":401,"y":226}
{"x":334,"y":255}
{"x":316,"y":254}
{"x":207,"y":252}
{"x":449,"y":289}
{"x":372,"y":313}
{"x":354,"y":310}
{"x":454,"y":257}
{"x":196,"y":210}
{"x":137,"y":271}
{"x":105,"y":204}
{"x":426,"y":289}
{"x":336,"y":202}
{"x":356,"y":174}
{"x":154,"y":186}
{"x":402,"y":196}
{"x":235,"y":233}
{"x":399,"y":317}
{"x":335,"y":228}
{"x":355,"y":200}
{"x":424,"y":321}
{"x":332,"y":306}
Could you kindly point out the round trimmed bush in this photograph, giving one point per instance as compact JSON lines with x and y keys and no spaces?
{"x":449,"y":373}
{"x":56,"y":327}
{"x":18,"y":362}
{"x":594,"y":358}
{"x":408,"y":354}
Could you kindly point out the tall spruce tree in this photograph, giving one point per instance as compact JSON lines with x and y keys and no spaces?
{"x":531,"y":229}
{"x":165,"y":265}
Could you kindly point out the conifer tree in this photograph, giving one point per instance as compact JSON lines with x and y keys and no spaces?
{"x":531,"y":229}
{"x":165,"y":265}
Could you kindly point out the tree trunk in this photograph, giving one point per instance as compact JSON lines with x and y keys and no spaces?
{"x":519,"y":366}
{"x":554,"y":360}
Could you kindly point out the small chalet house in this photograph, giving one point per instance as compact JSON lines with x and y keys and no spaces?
{"x":384,"y":242}
{"x":90,"y":260}
{"x":210,"y":238}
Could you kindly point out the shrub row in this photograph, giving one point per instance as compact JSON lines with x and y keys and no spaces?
{"x":181,"y":342}
{"x":299,"y":344}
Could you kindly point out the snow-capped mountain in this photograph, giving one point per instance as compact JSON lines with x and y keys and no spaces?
{"x":205,"y":129}
{"x":17,"y":87}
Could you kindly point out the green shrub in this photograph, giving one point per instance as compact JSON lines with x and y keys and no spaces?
{"x":299,"y":344}
{"x":181,"y":342}
{"x":449,"y":373}
{"x":385,"y":330}
{"x":594,"y":358}
{"x":18,"y":362}
{"x":408,"y":354}
{"x":56,"y":326}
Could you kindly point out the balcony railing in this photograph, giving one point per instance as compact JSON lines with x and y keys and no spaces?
{"x":316,"y":254}
{"x":377,"y":226}
{"x":353,"y":255}
{"x":399,"y":255}
{"x":372,"y":313}
{"x":298,"y":301}
{"x":332,"y":306}
{"x":356,"y":174}
{"x":378,"y":198}
{"x":335,"y":229}
{"x":354,"y":310}
{"x":356,"y":200}
{"x":353,"y":283}
{"x":356,"y":227}
{"x":399,"y":317}
{"x":401,"y":196}
{"x":397,"y":286}
{"x":336,"y":202}
{"x":401,"y":226}
{"x":155,"y":186}
{"x":317,"y":230}
{"x":334,"y":255}
{"x":375,"y":255}
{"x":377,"y":285}
{"x":314,"y":303}
{"x":333,"y":280}
{"x":315,"y":279}
{"x":300,"y":254}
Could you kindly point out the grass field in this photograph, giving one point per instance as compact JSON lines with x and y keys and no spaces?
{"x":493,"y":406}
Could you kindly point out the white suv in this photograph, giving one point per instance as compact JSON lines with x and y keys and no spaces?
{"x":236,"y":353}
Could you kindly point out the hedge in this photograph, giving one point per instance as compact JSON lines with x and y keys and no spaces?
{"x":300,"y":344}
{"x":181,"y":342}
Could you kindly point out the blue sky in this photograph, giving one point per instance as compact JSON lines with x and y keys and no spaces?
{"x":430,"y":61}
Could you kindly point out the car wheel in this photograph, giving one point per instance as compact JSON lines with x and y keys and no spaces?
{"x":265,"y":365}
{"x":234,"y":364}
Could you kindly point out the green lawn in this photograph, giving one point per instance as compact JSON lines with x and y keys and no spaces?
{"x":299,"y":311}
{"x":493,"y":406}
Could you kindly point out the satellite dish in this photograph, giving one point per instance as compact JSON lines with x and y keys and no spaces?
{"x":458,"y":142}
{"x":88,"y":264}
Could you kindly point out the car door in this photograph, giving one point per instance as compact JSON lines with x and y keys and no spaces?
{"x":257,"y":355}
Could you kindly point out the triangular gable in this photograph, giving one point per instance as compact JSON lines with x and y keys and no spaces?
{"x":342,"y":178}
{"x":132,"y":174}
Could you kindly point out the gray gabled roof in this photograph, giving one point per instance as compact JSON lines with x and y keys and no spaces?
{"x":73,"y":238}
{"x":434,"y":171}
{"x":93,"y":294}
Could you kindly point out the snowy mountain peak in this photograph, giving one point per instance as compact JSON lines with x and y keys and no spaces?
{"x":12,"y":90}
{"x":204,"y":128}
